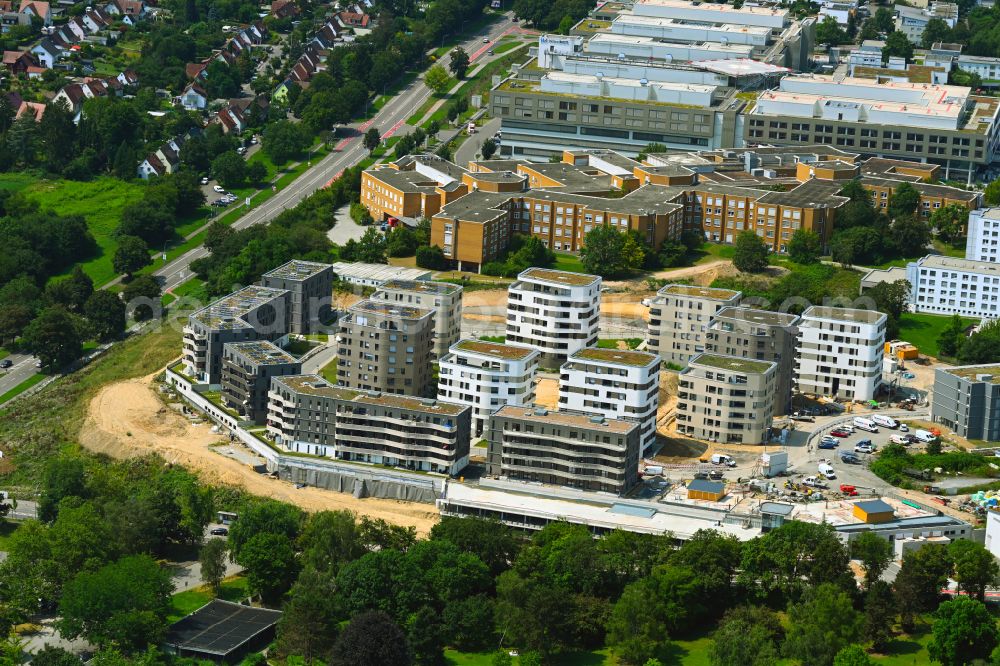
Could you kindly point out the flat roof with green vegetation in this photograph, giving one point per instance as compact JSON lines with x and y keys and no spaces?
{"x":297,"y":269}
{"x":843,"y":314}
{"x":318,"y":386}
{"x":509,"y":352}
{"x":389,"y":309}
{"x":620,"y":356}
{"x":971,"y":372}
{"x":559,"y":277}
{"x":698,"y":292}
{"x":422,"y":286}
{"x":731,"y":363}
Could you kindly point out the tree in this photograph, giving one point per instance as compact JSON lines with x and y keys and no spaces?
{"x":891,"y":298}
{"x":883,"y":21}
{"x":431,"y":257}
{"x":904,"y":201}
{"x":823,"y":624}
{"x":426,"y":636}
{"x":830,"y":33}
{"x":372,"y":139}
{"x":51,"y":655}
{"x":213,"y":563}
{"x":852,"y":655}
{"x":603,"y":251}
{"x":123,"y":604}
{"x":256,"y":173}
{"x":270,"y":565}
{"x":71,"y":292}
{"x":991,"y":195}
{"x":489,"y":148}
{"x":749,"y":636}
{"x":266,"y":517}
{"x":964,"y":631}
{"x":951,"y":337}
{"x":53,"y":337}
{"x":372,"y":639}
{"x":284,"y":140}
{"x":310,"y":617}
{"x":792,"y":556}
{"x":131,"y":255}
{"x":437,"y":79}
{"x":105,"y":313}
{"x":141,"y":295}
{"x":805,"y":246}
{"x":950,"y":221}
{"x":919,"y":581}
{"x":750,"y":255}
{"x":975,"y":567}
{"x":330,"y":540}
{"x":875,"y":554}
{"x":149,"y":219}
{"x":880,"y":613}
{"x":459,"y":64}
{"x":490,"y":540}
{"x":911,"y":235}
{"x":229,"y":169}
{"x":896,"y":44}
{"x":63,"y":477}
{"x":400,"y":242}
{"x":936,"y":30}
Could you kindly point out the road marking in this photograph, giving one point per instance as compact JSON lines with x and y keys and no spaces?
{"x":392,"y":130}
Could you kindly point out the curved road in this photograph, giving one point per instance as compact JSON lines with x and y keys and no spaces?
{"x":346,"y":154}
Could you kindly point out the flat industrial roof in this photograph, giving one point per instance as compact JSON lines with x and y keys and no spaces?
{"x":874,"y":506}
{"x":940,"y":261}
{"x":378,"y":272}
{"x":741,"y":67}
{"x":617,"y":356}
{"x":495,"y":349}
{"x":220,"y":627}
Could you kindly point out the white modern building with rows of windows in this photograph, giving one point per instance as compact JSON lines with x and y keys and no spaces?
{"x":983,"y":241}
{"x":839,"y":352}
{"x":950,"y":285}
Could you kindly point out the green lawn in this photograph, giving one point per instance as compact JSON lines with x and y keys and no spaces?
{"x":712,"y":252}
{"x":956,"y":249}
{"x":99,"y":201}
{"x":568,"y":262}
{"x":22,"y":387}
{"x":329,"y":371}
{"x":507,"y":46}
{"x":185,"y":603}
{"x":923,"y":330}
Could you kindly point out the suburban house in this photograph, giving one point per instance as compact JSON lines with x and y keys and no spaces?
{"x":131,"y":8}
{"x":9,"y":19}
{"x":284,"y":9}
{"x":165,"y":159}
{"x":354,"y":20}
{"x":194,"y":98}
{"x":231,"y":119}
{"x":75,"y":94}
{"x":46,"y":52}
{"x":17,"y":62}
{"x":37,"y":8}
{"x":35,"y":109}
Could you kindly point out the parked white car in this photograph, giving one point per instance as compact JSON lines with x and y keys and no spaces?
{"x":219,"y":188}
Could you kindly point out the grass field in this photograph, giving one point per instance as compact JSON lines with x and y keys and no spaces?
{"x":22,"y":387}
{"x":923,"y":330}
{"x":506,"y":46}
{"x":569,"y":262}
{"x":185,"y":603}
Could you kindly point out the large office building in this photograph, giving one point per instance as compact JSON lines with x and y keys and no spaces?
{"x":307,"y":414}
{"x":443,"y":298}
{"x":983,"y":240}
{"x":562,"y":448}
{"x":252,"y":313}
{"x":413,"y":187}
{"x":726,"y":399}
{"x":487,"y":376}
{"x":967,"y":400}
{"x":247,"y":369}
{"x":386,"y":347}
{"x":839,"y":352}
{"x":554,"y":312}
{"x":942,"y":124}
{"x":311,"y":287}
{"x":680,"y":314}
{"x":762,"y":335}
{"x":951,"y":285}
{"x":616,"y":384}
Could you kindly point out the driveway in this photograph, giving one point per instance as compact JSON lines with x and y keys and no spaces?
{"x":469,"y":149}
{"x":345,"y":228}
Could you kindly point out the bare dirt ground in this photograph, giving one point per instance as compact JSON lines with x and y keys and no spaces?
{"x":547,"y":393}
{"x":128,"y":419}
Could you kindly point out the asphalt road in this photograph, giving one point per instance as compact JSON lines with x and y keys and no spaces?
{"x":348,"y":152}
{"x":24,"y":367}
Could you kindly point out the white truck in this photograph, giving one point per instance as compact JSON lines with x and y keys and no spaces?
{"x":826,"y":470}
{"x":925,"y":436}
{"x":865,"y":424}
{"x":813,"y":482}
{"x":885,"y":421}
{"x":722,"y":459}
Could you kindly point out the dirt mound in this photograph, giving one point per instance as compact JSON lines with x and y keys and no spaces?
{"x":128,"y":419}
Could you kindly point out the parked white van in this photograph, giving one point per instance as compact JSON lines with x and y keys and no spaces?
{"x":865,"y":424}
{"x":722,"y":459}
{"x":827,"y":471}
{"x":925,"y":436}
{"x":886,"y":421}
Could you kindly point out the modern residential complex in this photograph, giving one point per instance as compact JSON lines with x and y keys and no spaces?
{"x":983,"y":240}
{"x":563,"y":448}
{"x":942,"y":124}
{"x":680,"y":314}
{"x":247,"y":369}
{"x":967,"y":400}
{"x":307,"y":414}
{"x":554,"y":312}
{"x":311,"y":286}
{"x":726,"y":399}
{"x":951,"y":285}
{"x":616,"y":384}
{"x":487,"y":376}
{"x":386,"y":347}
{"x":443,"y":298}
{"x":839,"y":352}
{"x":252,"y":313}
{"x":762,"y":335}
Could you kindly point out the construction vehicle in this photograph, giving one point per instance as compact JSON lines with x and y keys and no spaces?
{"x":922,"y":474}
{"x":850,"y":491}
{"x":814,"y":482}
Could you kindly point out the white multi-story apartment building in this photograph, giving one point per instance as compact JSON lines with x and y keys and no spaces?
{"x":614,"y":383}
{"x":443,"y":298}
{"x":726,"y":399}
{"x":983,"y":241}
{"x":555,"y":312}
{"x":839,"y":352}
{"x":679,"y":316}
{"x":949,"y":285}
{"x":487,"y":376}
